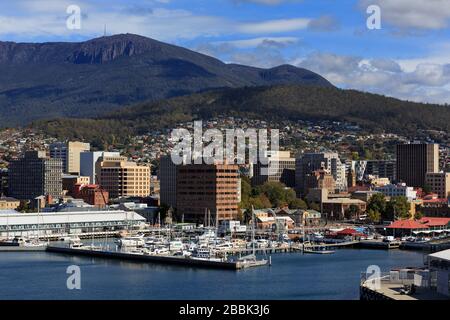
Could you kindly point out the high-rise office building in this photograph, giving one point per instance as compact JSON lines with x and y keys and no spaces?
{"x":167,"y":181}
{"x":69,"y":153}
{"x":283,"y":167}
{"x":439,"y":183}
{"x":207,"y":190}
{"x":88,"y":161}
{"x":414,"y":161}
{"x":122,"y":178}
{"x":328,"y":161}
{"x":35,"y":175}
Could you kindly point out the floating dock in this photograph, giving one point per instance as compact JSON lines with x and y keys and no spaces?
{"x":182,"y":261}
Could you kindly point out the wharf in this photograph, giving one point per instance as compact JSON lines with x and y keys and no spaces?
{"x":187,"y":262}
{"x":426,"y":246}
{"x":379,"y":244}
{"x":393,"y":291}
{"x":22,"y":249}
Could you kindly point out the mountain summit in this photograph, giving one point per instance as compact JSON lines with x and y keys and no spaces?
{"x":85,"y":79}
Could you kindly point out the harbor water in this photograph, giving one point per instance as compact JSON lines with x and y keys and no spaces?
{"x":42,"y":275}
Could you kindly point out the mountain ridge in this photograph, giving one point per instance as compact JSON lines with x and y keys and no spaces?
{"x":373,"y":113}
{"x":90,"y":78}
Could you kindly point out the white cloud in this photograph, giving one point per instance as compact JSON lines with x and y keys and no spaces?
{"x":275,"y":26}
{"x":32,"y":19}
{"x":439,"y":54}
{"x":324,"y":23}
{"x":427,"y":82}
{"x":266,"y":2}
{"x":261,"y":41}
{"x":265,"y":52}
{"x":414,"y":14}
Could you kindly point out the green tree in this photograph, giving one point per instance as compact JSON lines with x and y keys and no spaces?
{"x":314,"y":206}
{"x":246,"y":191}
{"x":398,"y":208}
{"x":426,"y":189}
{"x":418,"y":215}
{"x":373,"y":216}
{"x":275,"y":192}
{"x":377,"y":204}
{"x":259,"y":202}
{"x":298,"y":203}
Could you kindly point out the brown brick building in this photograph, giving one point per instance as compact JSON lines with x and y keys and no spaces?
{"x":94,"y":195}
{"x":319,"y":179}
{"x":338,"y":208}
{"x":202,"y":187}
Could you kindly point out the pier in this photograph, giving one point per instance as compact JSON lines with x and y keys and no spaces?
{"x":426,"y":246}
{"x":171,"y":260}
{"x":22,"y":249}
{"x":378,"y":244}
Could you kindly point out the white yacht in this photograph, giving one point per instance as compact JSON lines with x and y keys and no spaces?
{"x":205,"y":254}
{"x":161,"y":251}
{"x":132,"y":241}
{"x":175,"y":245}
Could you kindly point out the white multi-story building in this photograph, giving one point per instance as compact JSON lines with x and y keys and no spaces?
{"x":398,"y":190}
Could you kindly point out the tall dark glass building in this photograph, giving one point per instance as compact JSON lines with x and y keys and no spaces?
{"x":35,"y":175}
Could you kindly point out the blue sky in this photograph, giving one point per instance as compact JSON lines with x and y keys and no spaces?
{"x":408,"y":58}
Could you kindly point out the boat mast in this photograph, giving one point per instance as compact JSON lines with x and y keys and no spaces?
{"x":38,"y":211}
{"x":159,"y":224}
{"x":253,"y":231}
{"x":7,"y":226}
{"x":217,"y":224}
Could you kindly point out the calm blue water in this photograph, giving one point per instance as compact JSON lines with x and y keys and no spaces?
{"x":43,"y":275}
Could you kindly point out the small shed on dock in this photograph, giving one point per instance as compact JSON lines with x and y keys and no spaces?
{"x":349,"y":232}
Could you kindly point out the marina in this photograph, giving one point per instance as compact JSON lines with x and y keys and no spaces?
{"x":292,"y":276}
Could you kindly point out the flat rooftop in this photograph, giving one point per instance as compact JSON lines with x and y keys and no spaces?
{"x":443,"y":255}
{"x":393,"y":291}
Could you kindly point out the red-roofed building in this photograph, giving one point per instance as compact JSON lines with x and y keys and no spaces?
{"x":349,"y":232}
{"x":405,"y":227}
{"x":435,"y":222}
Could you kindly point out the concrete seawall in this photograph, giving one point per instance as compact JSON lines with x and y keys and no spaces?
{"x":148,"y":258}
